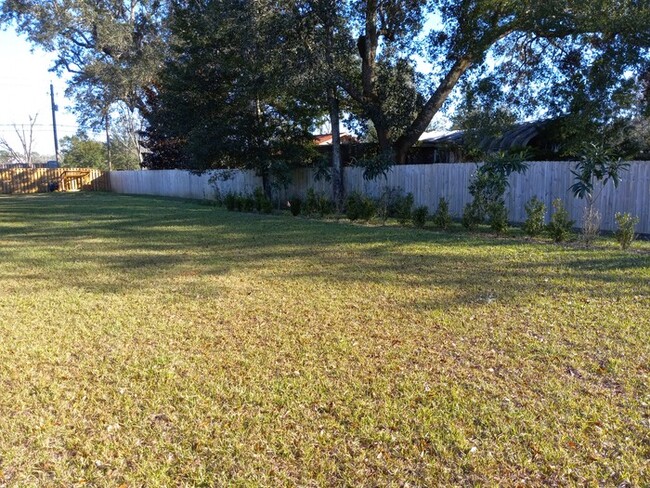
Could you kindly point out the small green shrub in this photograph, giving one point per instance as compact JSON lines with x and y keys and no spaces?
{"x":402,"y":208}
{"x":535,"y":213}
{"x":267,"y":206}
{"x":560,"y":225}
{"x":441,"y":217}
{"x":498,"y":216}
{"x":230,"y":201}
{"x":393,"y":203}
{"x":360,"y":207}
{"x":295,"y":204}
{"x":625,"y":232}
{"x":262,"y":204}
{"x":419,"y":216}
{"x":311,"y":202}
{"x":472,"y":216}
{"x":247,"y":203}
{"x":317,"y":204}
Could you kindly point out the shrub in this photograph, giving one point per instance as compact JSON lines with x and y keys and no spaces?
{"x":360,"y":207}
{"x":295,"y":204}
{"x":262,"y":204}
{"x":230,"y":201}
{"x":498,"y":216}
{"x":402,"y":208}
{"x":419,"y":216}
{"x":311,"y":203}
{"x":560,"y":225}
{"x":393,"y":203}
{"x":535,"y":213}
{"x":247,"y":203}
{"x":317,"y":204}
{"x":625,"y":232}
{"x":487,"y":187}
{"x":267,"y":206}
{"x":441,"y":217}
{"x":472,"y":216}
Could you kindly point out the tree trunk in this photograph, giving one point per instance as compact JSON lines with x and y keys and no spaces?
{"x":266,"y":184}
{"x":337,"y":164}
{"x":431,"y":107}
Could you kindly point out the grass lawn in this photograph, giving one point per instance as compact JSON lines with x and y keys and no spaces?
{"x":155,"y":342}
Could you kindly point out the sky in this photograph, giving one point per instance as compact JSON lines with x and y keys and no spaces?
{"x":25,"y":91}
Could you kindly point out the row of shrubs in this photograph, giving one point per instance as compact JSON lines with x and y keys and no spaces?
{"x":359,"y":207}
{"x":560,"y":226}
{"x":255,"y":202}
{"x":395,"y":204}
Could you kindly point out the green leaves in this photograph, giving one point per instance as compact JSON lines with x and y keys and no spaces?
{"x":597,"y":164}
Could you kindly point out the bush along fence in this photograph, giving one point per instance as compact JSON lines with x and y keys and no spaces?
{"x":545,"y":180}
{"x":42,"y":180}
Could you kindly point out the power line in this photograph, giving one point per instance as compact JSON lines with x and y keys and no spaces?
{"x":39,"y":125}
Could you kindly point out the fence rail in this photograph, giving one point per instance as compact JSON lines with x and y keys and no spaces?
{"x":545,"y":179}
{"x":40,"y":180}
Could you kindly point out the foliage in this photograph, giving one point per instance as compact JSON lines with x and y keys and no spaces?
{"x":360,"y":207}
{"x":376,"y":166}
{"x":419,"y":216}
{"x":230,"y":94}
{"x":597,"y":164}
{"x":317,"y":204}
{"x":535,"y":216}
{"x":401,"y":208}
{"x":497,"y":215}
{"x":487,"y":187}
{"x":530,"y":51}
{"x":393,"y":203}
{"x":111,"y":49}
{"x":625,"y":232}
{"x":262,"y":203}
{"x":471,"y":218}
{"x":295,"y":205}
{"x":560,"y":225}
{"x":230,"y":201}
{"x":81,"y":152}
{"x":441,"y":217}
{"x":242,"y":202}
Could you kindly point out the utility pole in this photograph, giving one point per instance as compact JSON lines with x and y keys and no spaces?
{"x":56,"y":138}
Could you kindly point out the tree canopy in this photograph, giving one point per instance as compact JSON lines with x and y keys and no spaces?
{"x":112,"y":48}
{"x":244,"y":80}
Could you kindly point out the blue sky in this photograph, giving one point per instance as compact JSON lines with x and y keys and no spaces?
{"x":25,"y":90}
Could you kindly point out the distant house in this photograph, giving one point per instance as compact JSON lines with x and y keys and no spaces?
{"x":449,"y":146}
{"x":326,"y":139}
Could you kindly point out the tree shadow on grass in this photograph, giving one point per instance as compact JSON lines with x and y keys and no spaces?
{"x":141,"y":238}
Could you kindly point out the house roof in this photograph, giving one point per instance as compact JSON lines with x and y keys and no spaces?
{"x":518,"y":136}
{"x":326,"y":139}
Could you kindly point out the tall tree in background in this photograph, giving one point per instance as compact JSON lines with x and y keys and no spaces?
{"x":246,"y":74}
{"x":79,"y":151}
{"x":232,"y":90}
{"x":529,"y":45}
{"x":326,"y":51}
{"x":112,"y":48}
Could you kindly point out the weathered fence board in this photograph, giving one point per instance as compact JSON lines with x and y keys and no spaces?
{"x":545,"y":179}
{"x":40,"y":180}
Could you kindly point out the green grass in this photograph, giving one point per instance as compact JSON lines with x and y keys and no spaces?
{"x":155,"y":342}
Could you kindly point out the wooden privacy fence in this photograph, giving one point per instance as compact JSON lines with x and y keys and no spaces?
{"x":546,"y":180}
{"x":41,"y":180}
